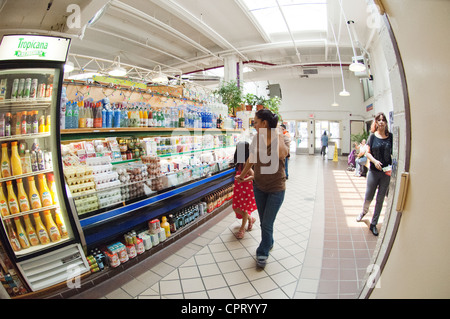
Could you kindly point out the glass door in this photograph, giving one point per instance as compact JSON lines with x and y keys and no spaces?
{"x":302,"y":138}
{"x":30,"y":195}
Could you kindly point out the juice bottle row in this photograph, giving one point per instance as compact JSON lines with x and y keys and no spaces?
{"x":19,"y":200}
{"x":23,"y":161}
{"x":33,"y":233}
{"x":28,"y":88}
{"x":217,"y":198}
{"x":26,"y":122}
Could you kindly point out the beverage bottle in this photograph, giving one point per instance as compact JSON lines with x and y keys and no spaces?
{"x":5,"y":166}
{"x":24,"y":204}
{"x":68,"y":116}
{"x":75,"y":114}
{"x":40,"y":159}
{"x":40,"y":229}
{"x":150,"y":118}
{"x":90,"y":116}
{"x":44,"y":191}
{"x":33,"y":194}
{"x":17,"y":123}
{"x":145,"y":118}
{"x":21,"y":234}
{"x":63,"y":108}
{"x":16,"y":163}
{"x":28,"y":121}
{"x":3,"y":202}
{"x":61,"y":226}
{"x":81,"y":115}
{"x":51,"y":226}
{"x":104,"y":116}
{"x":34,"y":122}
{"x":15,"y":244}
{"x":41,"y":124}
{"x":26,"y":163}
{"x":30,"y":231}
{"x":23,"y":125}
{"x":52,"y":187}
{"x":109,"y":118}
{"x":12,"y":199}
{"x":8,"y":124}
{"x":117,"y":117}
{"x":2,"y":124}
{"x":166,"y":226}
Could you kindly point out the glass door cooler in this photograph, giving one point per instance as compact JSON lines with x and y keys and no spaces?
{"x":37,"y":230}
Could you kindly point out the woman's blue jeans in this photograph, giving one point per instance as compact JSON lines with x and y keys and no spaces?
{"x":268,"y":205}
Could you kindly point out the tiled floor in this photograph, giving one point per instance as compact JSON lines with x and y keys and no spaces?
{"x":320,"y":250}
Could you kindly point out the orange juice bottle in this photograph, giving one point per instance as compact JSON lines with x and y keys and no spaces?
{"x":24,"y":204}
{"x":35,"y":198}
{"x":52,"y":187}
{"x":15,"y":244}
{"x":5,"y":166}
{"x":12,"y":199}
{"x":32,"y":236}
{"x":16,"y":162}
{"x":51,"y":226}
{"x":23,"y":239}
{"x":61,"y":226}
{"x":46,"y":197}
{"x":40,"y":229}
{"x":3,"y":202}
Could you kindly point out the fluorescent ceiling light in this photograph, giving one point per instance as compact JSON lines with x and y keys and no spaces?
{"x":344,"y":93}
{"x":334,"y":104}
{"x":160,"y":78}
{"x":83,"y":76}
{"x":118,"y":71}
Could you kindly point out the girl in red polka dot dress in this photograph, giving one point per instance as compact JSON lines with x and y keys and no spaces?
{"x":243,"y":199}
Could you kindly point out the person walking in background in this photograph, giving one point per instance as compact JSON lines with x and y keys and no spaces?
{"x":267,"y":156}
{"x":324,"y":140}
{"x":243,"y":198}
{"x":361,"y":159}
{"x":379,"y":153}
{"x":287,"y":141}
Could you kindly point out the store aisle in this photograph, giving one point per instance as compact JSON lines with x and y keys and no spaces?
{"x":320,"y":250}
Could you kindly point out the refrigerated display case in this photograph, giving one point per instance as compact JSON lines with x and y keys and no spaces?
{"x":37,"y":230}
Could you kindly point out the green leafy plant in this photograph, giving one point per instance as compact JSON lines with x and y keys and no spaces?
{"x":359,"y":137}
{"x":273,"y":104}
{"x":250,"y":99}
{"x":231,"y":95}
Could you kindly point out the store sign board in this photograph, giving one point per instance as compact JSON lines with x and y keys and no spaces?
{"x":34,"y":47}
{"x":104,"y":79}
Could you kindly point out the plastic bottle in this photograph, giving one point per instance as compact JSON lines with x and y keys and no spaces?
{"x":68,"y":117}
{"x":52,"y":187}
{"x":81,"y":115}
{"x":63,"y":108}
{"x":109,"y":118}
{"x":40,"y":229}
{"x":44,"y":191}
{"x":3,"y":202}
{"x":24,"y":204}
{"x":97,"y":116}
{"x":31,"y":232}
{"x":34,"y":122}
{"x":8,"y":124}
{"x":89,"y":116}
{"x":5,"y":165}
{"x":33,"y":194}
{"x":16,"y":163}
{"x":23,"y":125}
{"x":166,"y":226}
{"x":60,"y":223}
{"x":12,"y":199}
{"x":52,"y":228}
{"x":26,"y":163}
{"x":117,"y":117}
{"x":75,"y":115}
{"x":15,"y":244}
{"x":104,"y":116}
{"x":21,"y":234}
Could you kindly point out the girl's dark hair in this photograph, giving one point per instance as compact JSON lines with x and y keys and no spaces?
{"x":241,"y":155}
{"x":266,"y":115}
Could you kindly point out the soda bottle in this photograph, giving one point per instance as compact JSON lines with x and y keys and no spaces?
{"x":8,"y":124}
{"x":31,"y":232}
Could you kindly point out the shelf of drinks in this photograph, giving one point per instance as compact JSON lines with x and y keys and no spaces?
{"x":26,"y":103}
{"x":24,"y":137}
{"x":177,"y":130}
{"x":33,"y":249}
{"x":14,"y":177}
{"x":28,"y":212}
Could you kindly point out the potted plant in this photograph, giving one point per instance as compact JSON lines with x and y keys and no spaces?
{"x":273,"y":104}
{"x":231,"y":95}
{"x":260,"y":102}
{"x":250,"y":100}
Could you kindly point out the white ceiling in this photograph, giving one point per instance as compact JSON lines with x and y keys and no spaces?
{"x":183,"y":36}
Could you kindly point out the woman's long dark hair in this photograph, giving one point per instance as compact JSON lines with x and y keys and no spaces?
{"x":374,"y":126}
{"x":241,"y":155}
{"x":266,"y":115}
